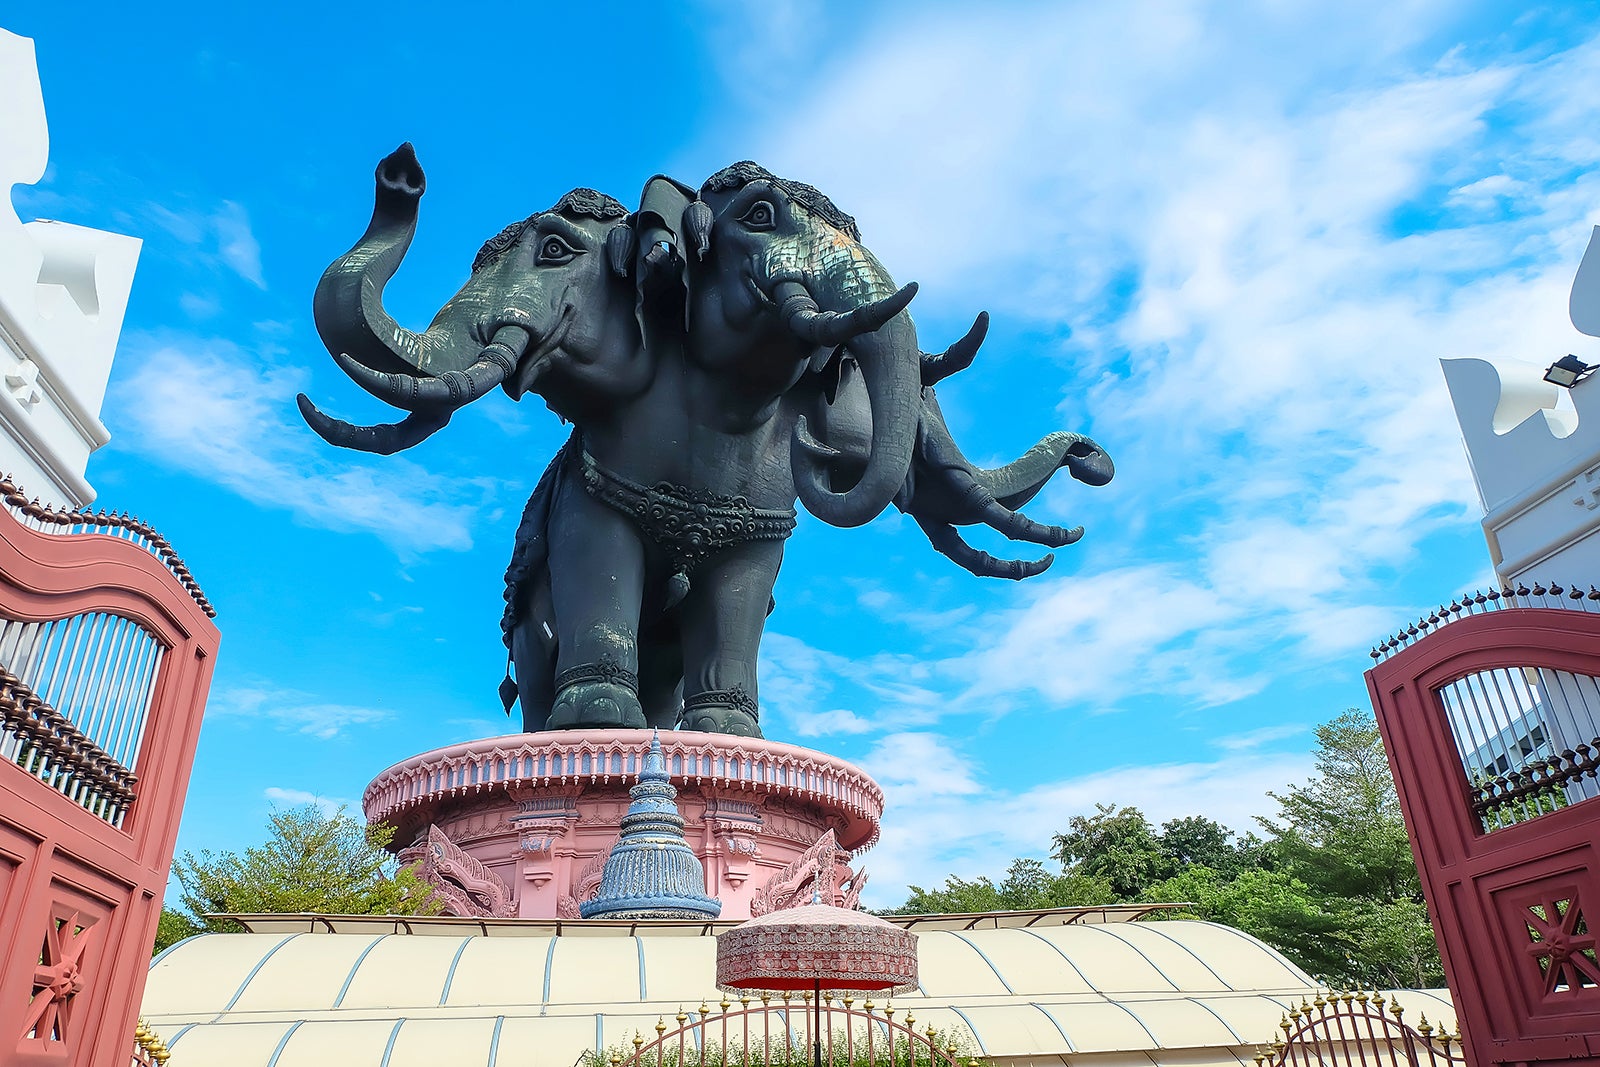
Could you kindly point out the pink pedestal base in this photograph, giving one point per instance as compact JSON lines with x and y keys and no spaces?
{"x":522,"y":824}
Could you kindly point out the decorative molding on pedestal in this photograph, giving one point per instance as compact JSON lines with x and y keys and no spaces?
{"x":551,"y":805}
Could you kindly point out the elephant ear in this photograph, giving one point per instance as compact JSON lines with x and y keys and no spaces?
{"x":662,"y":268}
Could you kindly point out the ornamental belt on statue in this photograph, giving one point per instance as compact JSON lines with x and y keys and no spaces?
{"x":688,"y":524}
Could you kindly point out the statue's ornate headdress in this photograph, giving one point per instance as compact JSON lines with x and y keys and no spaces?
{"x":807,"y":196}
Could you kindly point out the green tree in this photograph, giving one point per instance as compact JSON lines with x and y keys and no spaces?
{"x":311,"y":862}
{"x":1117,"y":844}
{"x":174,"y":927}
{"x":1196,"y":840}
{"x":1026,"y":886}
{"x":1342,"y":834}
{"x":1342,"y":831}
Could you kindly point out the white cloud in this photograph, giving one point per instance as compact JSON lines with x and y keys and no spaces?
{"x":211,"y":408}
{"x":236,"y":244}
{"x":330,"y":806}
{"x":222,"y":237}
{"x":293,"y":710}
{"x":941,"y":820}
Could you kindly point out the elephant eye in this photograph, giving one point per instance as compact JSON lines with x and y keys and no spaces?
{"x":760,"y":216}
{"x":553,"y":250}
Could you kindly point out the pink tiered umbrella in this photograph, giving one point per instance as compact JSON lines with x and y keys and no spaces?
{"x":815,"y":946}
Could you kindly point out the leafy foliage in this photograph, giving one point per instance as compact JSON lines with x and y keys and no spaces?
{"x":1027,"y":885}
{"x":312,"y":862}
{"x":795,"y":1052}
{"x":1333,"y":886}
{"x":174,"y":927}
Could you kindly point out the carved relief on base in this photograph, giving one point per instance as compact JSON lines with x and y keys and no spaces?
{"x":585,"y":887}
{"x":795,"y":884}
{"x":460,"y":883}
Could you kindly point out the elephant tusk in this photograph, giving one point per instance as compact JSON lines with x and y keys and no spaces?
{"x":800,"y":313}
{"x":451,"y":389}
{"x":959,"y":356}
{"x":384,"y":439}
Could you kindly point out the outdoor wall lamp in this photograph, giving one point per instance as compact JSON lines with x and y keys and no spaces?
{"x":1567,"y":371}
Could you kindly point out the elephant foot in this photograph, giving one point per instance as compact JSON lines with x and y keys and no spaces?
{"x":596,"y":695}
{"x":596,"y":704}
{"x":723,"y":711}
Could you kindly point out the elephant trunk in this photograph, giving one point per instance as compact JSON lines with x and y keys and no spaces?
{"x":348,"y":305}
{"x":881,"y":337}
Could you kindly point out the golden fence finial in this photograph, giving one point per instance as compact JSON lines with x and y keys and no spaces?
{"x":726,"y":1004}
{"x":616,"y":1059}
{"x":1423,"y":1026}
{"x":1395,"y":1009}
{"x":638,"y":1042}
{"x":682,"y":1016}
{"x":661,"y":1027}
{"x":704,"y":1009}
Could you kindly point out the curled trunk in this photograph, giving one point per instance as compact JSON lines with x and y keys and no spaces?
{"x":348,"y":305}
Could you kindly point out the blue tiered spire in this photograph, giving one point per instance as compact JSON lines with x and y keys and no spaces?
{"x":651,"y":873}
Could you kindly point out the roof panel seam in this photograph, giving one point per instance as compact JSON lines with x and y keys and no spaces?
{"x":351,"y":977}
{"x":1274,"y":953}
{"x":985,"y":957}
{"x":1151,"y":928}
{"x":494,"y":1041}
{"x":1236,"y":1035}
{"x":1101,"y":928}
{"x":284,"y":1040}
{"x":394,"y":1035}
{"x":1076,"y":969}
{"x":1065,"y":1039}
{"x":170,"y":949}
{"x":549,"y":964}
{"x":262,"y":962}
{"x":175,"y":1038}
{"x":973,"y":1030}
{"x":450,"y":975}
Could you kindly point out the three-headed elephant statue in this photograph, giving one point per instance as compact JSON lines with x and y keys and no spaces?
{"x":722,"y":353}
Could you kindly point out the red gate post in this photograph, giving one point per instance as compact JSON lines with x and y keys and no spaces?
{"x":108,"y":648}
{"x":1512,"y":886}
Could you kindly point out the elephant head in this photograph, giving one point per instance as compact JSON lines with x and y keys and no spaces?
{"x":782,"y":272}
{"x":548,"y":308}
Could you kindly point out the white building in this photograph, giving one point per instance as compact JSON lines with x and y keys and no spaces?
{"x":63,"y":292}
{"x":1535,"y":453}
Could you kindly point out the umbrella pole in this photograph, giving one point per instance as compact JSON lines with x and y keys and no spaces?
{"x":816,"y":1029}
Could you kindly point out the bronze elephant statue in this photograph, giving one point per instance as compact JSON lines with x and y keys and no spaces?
{"x":722,"y":353}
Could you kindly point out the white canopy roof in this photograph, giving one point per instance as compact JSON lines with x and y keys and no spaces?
{"x":1171,"y":992}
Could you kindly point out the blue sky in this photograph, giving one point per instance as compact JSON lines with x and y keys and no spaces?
{"x":1230,"y":240}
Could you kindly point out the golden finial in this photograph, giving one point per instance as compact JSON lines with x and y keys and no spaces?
{"x":726,"y":1003}
{"x":1285,"y":1026}
{"x":1305,"y":1007}
{"x":1395,"y":1009}
{"x":888,"y":1011}
{"x":161,"y":1054}
{"x":1377,"y":1001}
{"x":868,"y":1006}
{"x":704,"y":1009}
{"x":1260,"y":1059}
{"x":972,"y":1062}
{"x":616,"y":1059}
{"x":950,"y":1049}
{"x":682,"y":1017}
{"x":827,"y":997}
{"x":911,"y":1022}
{"x":1319,"y":1002}
{"x":744,"y":1002}
{"x":1361,"y":996}
{"x":766,"y":998}
{"x":1423,"y":1026}
{"x":661,"y":1027}
{"x":1347,"y":996}
{"x":638,"y":1042}
{"x":931,"y":1034}
{"x":848,"y":1001}
{"x":1445,"y":1039}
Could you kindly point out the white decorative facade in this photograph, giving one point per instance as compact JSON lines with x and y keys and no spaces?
{"x":1536,"y":460}
{"x":63,"y":292}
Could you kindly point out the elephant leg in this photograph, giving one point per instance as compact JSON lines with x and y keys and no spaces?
{"x":661,"y":676}
{"x":723,"y":616}
{"x":596,"y":583}
{"x":946,"y":539}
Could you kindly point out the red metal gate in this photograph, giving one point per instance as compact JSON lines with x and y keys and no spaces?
{"x":106,"y":652}
{"x":1358,"y":1030}
{"x":784,"y":1031}
{"x":1490,"y":711}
